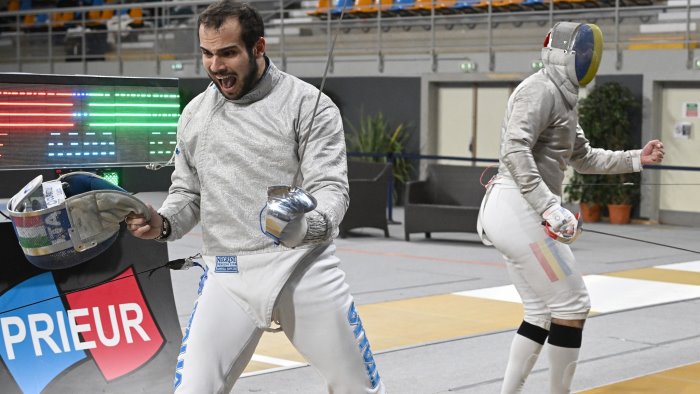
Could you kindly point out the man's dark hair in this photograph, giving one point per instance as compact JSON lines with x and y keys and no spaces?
{"x":252,"y":26}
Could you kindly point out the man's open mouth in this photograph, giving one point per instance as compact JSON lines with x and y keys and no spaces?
{"x":227,"y":82}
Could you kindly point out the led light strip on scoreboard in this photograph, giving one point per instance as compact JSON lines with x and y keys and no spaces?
{"x":53,"y":125}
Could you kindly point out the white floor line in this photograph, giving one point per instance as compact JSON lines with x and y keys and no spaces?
{"x":284,"y":365}
{"x":276,"y":361}
{"x":693,"y":266}
{"x":612,"y":294}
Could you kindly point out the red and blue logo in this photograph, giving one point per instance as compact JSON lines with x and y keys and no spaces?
{"x":44,"y":333}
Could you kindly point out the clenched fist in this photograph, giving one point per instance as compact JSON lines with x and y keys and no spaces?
{"x":653,"y":152}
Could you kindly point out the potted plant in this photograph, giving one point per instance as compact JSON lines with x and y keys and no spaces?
{"x":382,"y":143}
{"x":582,"y":189}
{"x":623,"y":194}
{"x":606,"y":118}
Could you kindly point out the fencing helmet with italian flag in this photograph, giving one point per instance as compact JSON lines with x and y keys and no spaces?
{"x":70,"y":220}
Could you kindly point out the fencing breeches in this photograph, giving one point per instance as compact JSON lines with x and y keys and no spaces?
{"x":315,"y":311}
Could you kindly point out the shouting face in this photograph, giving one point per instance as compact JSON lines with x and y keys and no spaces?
{"x":233,"y":68}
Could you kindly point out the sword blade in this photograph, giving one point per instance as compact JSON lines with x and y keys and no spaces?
{"x":641,"y":240}
{"x":302,"y":148}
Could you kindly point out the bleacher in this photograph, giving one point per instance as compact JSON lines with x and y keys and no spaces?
{"x":398,"y":8}
{"x":97,"y":30}
{"x":104,"y":27}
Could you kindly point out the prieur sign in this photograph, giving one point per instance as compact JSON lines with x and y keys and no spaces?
{"x":110,"y":323}
{"x":41,"y":326}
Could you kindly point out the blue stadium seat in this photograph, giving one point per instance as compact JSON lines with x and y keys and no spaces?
{"x":535,"y":4}
{"x":467,"y":6}
{"x":337,"y":10}
{"x":403,"y":7}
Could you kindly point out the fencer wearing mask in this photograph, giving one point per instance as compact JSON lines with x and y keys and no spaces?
{"x":540,"y":137}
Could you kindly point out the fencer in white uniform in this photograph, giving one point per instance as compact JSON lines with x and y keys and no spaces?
{"x":268,"y":250}
{"x":540,"y":137}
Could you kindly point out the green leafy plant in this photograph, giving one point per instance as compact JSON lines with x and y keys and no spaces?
{"x":624,"y":189}
{"x":606,"y":118}
{"x":582,"y":188}
{"x":385,"y":142}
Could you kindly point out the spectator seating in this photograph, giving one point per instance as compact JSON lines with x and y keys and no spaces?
{"x":136,"y":15}
{"x":347,"y":5}
{"x":46,"y":18}
{"x":97,"y":16}
{"x":467,"y":6}
{"x":8,"y":23}
{"x":322,"y":9}
{"x":61,"y":19}
{"x":509,"y":5}
{"x":369,"y":190}
{"x":13,"y":5}
{"x":448,"y":200}
{"x":403,"y":7}
{"x":424,"y":7}
{"x":369,"y":8}
{"x":536,"y":5}
{"x":31,"y":21}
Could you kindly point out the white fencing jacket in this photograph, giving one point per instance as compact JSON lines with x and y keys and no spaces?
{"x":230,"y":151}
{"x":540,"y":135}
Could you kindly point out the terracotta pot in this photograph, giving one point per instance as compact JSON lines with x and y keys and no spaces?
{"x":590,"y":212}
{"x":619,"y":213}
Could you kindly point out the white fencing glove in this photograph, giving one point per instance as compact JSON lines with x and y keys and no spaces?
{"x":94,"y":211}
{"x":285,"y":214}
{"x":562,"y":225}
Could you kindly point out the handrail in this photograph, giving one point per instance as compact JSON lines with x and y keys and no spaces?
{"x":390,"y":156}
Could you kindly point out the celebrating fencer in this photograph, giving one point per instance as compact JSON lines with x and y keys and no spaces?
{"x":540,"y":137}
{"x":267,"y":243}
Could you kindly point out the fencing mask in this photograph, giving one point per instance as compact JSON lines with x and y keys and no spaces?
{"x":68,"y":221}
{"x":582,"y":44}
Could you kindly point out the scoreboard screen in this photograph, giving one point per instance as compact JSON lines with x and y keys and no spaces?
{"x":64,"y":121}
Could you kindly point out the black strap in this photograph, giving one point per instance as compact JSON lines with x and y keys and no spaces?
{"x":565,"y":336}
{"x":533,"y":332}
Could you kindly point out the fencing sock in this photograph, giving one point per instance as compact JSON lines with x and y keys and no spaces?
{"x":565,"y":343}
{"x":524,"y":350}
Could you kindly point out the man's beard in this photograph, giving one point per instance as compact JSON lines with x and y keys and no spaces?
{"x":249,"y":80}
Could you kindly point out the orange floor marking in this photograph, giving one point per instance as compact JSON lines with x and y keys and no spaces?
{"x":413,"y":321}
{"x":660,"y":275}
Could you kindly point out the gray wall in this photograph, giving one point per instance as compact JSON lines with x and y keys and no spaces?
{"x":398,"y":98}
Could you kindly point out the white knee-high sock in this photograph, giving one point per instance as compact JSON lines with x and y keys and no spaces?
{"x":564,"y":346}
{"x":524,"y":351}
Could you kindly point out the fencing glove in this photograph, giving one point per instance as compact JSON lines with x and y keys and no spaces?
{"x":284,"y":214}
{"x":562,"y":225}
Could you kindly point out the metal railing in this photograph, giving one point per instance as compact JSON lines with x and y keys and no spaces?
{"x":167,"y":31}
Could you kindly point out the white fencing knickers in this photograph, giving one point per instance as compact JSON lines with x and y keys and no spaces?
{"x":315,"y":311}
{"x":542,"y":269}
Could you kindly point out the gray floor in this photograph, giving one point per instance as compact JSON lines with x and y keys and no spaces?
{"x":616,"y":346}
